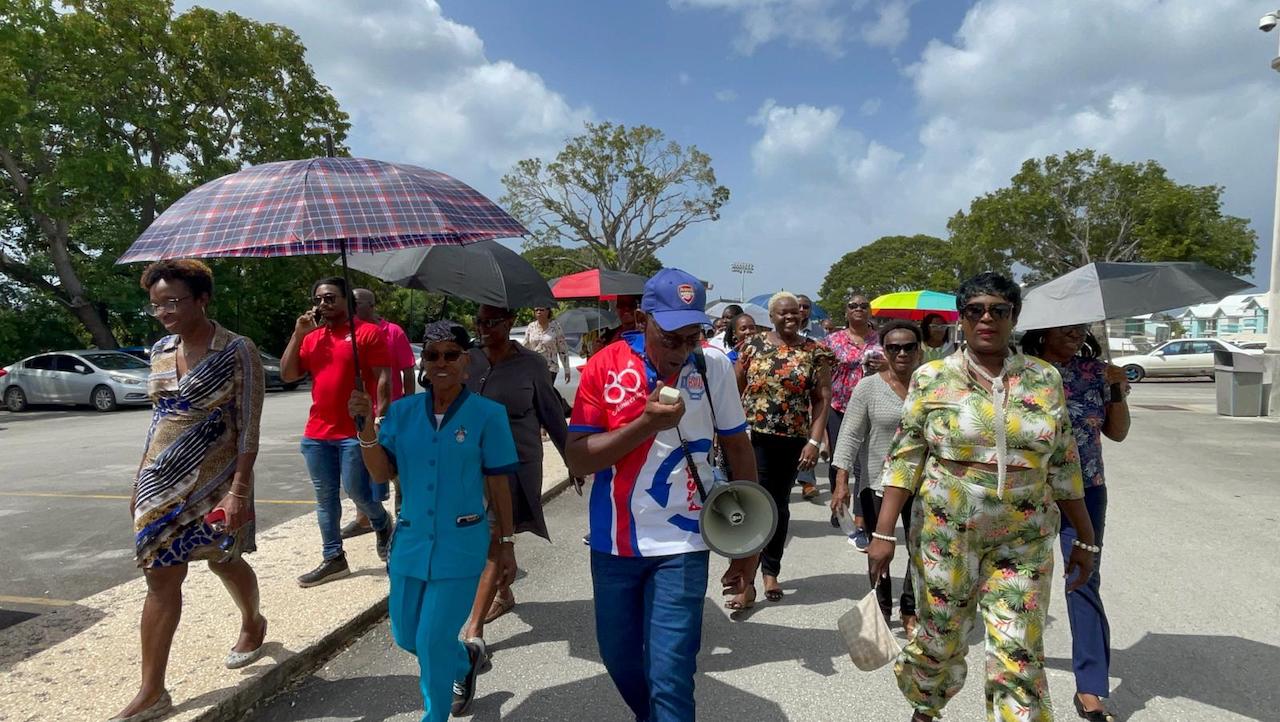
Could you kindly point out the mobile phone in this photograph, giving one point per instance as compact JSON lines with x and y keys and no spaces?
{"x":315,"y":314}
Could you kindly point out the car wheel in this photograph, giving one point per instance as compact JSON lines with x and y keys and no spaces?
{"x":292,"y":386}
{"x":1134,"y":373}
{"x":15,"y":399}
{"x":103,"y":398}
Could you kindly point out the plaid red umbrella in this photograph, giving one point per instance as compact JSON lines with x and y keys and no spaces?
{"x":598,"y":283}
{"x":322,"y":205}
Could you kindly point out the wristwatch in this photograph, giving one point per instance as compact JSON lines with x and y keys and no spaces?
{"x":506,"y":540}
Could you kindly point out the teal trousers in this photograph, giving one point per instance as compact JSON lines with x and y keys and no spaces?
{"x":426,"y":617}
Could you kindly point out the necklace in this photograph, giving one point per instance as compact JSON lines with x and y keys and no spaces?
{"x":191,"y":362}
{"x":999,"y":401}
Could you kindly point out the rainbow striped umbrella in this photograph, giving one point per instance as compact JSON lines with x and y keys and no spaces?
{"x":915,"y":305}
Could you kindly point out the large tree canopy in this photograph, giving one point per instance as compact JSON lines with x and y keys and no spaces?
{"x":892,"y":263}
{"x":1060,"y":213}
{"x":109,"y":111}
{"x":622,"y":192}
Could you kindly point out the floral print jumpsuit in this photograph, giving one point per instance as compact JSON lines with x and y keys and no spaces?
{"x":974,"y":548}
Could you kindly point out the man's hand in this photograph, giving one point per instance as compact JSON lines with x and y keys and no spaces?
{"x":578,"y":482}
{"x":306,"y":323}
{"x":504,"y":557}
{"x":659,"y":416}
{"x":360,"y":404}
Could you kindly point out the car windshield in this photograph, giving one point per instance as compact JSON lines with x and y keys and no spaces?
{"x":115,"y":361}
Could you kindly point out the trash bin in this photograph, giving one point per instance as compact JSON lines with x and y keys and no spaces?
{"x":1239,"y":380}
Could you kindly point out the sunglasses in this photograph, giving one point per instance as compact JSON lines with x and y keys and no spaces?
{"x":975,"y":312}
{"x":490,"y":322}
{"x":805,"y":306}
{"x":856,"y":306}
{"x":893,"y":349}
{"x":675,"y":341}
{"x":328,"y":298}
{"x":434,"y":356}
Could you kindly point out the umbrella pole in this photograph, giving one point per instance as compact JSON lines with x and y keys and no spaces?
{"x":355,"y":353}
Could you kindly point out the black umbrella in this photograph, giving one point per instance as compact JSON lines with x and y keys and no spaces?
{"x":582,"y":320}
{"x":485,"y":272}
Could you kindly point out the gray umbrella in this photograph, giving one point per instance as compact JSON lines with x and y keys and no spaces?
{"x":1100,"y":291}
{"x":484,"y":272}
{"x":582,"y":320}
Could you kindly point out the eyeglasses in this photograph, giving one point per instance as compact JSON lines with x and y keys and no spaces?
{"x":893,"y":349}
{"x":490,"y":322}
{"x":805,"y":306}
{"x":170,"y":306}
{"x":856,"y":306}
{"x":329,"y":298}
{"x":1081,"y":329}
{"x":434,"y":356}
{"x":975,"y":312}
{"x":675,"y":341}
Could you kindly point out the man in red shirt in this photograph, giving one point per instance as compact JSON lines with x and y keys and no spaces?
{"x":321,"y":346}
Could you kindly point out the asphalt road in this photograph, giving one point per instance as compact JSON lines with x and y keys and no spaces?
{"x":65,"y":481}
{"x":1190,"y":581}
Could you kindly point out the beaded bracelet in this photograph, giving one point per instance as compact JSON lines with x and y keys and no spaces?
{"x":1093,"y":548}
{"x":884,"y":537}
{"x":367,"y":444}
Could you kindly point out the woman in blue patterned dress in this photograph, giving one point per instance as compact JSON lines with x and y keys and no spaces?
{"x":206,"y":385}
{"x":1095,"y":393}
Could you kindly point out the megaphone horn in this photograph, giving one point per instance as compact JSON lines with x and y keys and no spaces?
{"x":738,"y":519}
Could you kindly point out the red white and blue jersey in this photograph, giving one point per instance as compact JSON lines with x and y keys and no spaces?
{"x":647,"y":504}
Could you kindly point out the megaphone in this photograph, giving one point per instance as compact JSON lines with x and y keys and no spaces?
{"x":738,"y":518}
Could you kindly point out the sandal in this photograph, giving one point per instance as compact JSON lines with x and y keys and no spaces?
{"x":909,"y":622}
{"x":748,"y":600}
{"x":501,"y":605}
{"x":773,"y":595}
{"x":1092,"y":715}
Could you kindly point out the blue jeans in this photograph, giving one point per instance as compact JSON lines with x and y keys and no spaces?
{"x":1090,"y":630}
{"x":335,"y":464}
{"x":649,"y":629}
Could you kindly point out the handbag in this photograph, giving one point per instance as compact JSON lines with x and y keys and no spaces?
{"x":866,"y":635}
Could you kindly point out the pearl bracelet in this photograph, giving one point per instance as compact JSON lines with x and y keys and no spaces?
{"x":1092,"y":548}
{"x":884,"y":537}
{"x":367,"y":444}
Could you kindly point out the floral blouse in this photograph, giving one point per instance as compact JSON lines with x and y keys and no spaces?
{"x":1085,"y":383}
{"x":550,"y":343}
{"x":849,"y":367}
{"x":948,"y":415}
{"x":780,"y":380}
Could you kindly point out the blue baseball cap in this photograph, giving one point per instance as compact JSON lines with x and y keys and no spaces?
{"x":675,"y":299}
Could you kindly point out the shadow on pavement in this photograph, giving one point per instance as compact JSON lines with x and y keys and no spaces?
{"x":366,"y":699}
{"x":28,"y":638}
{"x":595,"y":699}
{"x":1226,"y":672}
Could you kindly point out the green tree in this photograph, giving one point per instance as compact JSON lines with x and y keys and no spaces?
{"x":624,"y":193}
{"x":888,"y":264}
{"x":110,"y":110}
{"x":556,"y":261}
{"x":1062,"y":212}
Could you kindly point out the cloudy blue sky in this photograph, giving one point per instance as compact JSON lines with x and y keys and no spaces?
{"x":833,"y":122}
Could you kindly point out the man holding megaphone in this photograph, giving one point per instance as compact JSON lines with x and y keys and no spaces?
{"x":646,"y":414}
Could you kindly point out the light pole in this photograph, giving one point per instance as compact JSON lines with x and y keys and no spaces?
{"x":1266,"y":25}
{"x":743,"y":269}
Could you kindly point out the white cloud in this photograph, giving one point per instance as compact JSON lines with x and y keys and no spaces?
{"x":801,"y":23}
{"x":420,"y":88}
{"x":891,"y":26}
{"x":869,"y":107}
{"x":684,"y":78}
{"x":1182,"y":82}
{"x":728,"y":95}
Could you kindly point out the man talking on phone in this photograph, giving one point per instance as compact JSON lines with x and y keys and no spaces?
{"x":649,"y":564}
{"x":321,"y":346}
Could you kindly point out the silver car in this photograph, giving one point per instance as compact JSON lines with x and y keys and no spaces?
{"x":102,"y":379}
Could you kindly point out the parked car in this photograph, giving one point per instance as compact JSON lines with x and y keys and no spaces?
{"x":1180,"y":357}
{"x":1253,"y":346}
{"x":101,"y":379}
{"x":271,"y":372}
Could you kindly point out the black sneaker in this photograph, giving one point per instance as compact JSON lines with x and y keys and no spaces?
{"x":354,"y":528}
{"x":464,"y":691}
{"x":384,"y":540}
{"x":329,"y":569}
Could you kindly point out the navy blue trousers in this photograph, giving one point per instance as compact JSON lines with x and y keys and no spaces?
{"x":1090,"y":631}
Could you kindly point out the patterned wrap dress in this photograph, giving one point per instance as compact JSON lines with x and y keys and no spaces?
{"x":200,"y":425}
{"x":974,"y":550}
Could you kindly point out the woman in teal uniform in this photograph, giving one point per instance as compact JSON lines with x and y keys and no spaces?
{"x":452,"y":451}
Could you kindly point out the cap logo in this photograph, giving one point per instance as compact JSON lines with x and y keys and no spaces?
{"x":686,"y":292}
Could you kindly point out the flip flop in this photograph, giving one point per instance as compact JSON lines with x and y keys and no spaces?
{"x":499,"y":607}
{"x":236,"y":660}
{"x":748,"y":600}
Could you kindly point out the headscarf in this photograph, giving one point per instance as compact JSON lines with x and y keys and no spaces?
{"x":446,"y":330}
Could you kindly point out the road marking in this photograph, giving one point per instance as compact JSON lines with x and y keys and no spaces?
{"x":41,"y":601}
{"x":128,"y":498}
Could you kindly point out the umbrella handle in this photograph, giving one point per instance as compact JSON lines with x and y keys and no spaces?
{"x":355,"y":352}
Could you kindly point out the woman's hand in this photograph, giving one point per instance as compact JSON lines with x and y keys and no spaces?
{"x":808,"y":457}
{"x":840,"y":495}
{"x":1115,"y":375}
{"x":238,"y":511}
{"x":360,"y":404}
{"x":504,"y":557}
{"x":1079,"y":568}
{"x":879,"y":555}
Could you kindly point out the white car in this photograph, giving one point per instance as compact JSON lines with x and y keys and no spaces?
{"x":101,"y":379}
{"x":1179,"y":357}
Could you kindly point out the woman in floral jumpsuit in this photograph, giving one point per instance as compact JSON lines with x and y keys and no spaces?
{"x":987,"y":450}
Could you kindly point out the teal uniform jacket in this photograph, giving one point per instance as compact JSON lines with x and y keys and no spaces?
{"x":443,"y":529}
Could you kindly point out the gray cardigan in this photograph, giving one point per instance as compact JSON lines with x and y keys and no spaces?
{"x":870,"y":422}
